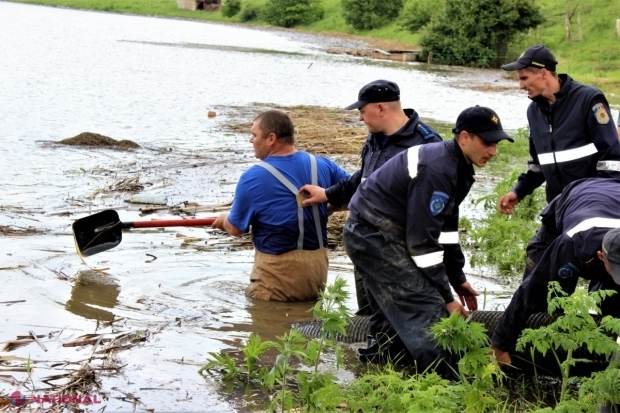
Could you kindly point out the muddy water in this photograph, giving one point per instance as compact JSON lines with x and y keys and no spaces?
{"x":152,"y":81}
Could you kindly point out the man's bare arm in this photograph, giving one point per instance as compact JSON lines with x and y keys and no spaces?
{"x":222,"y":223}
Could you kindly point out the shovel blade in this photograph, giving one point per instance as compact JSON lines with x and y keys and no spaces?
{"x":99,"y":232}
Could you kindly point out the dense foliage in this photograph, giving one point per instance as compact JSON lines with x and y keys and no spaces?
{"x":250,"y":12}
{"x":290,"y":13}
{"x":370,"y":14}
{"x":231,"y":7}
{"x":478,"y":32}
{"x":418,"y":13}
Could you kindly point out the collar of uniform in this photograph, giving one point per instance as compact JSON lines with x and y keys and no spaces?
{"x":409,"y":127}
{"x":565,"y":85}
{"x":458,"y":153}
{"x":379,"y":139}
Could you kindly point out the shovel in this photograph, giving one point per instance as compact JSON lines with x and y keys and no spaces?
{"x":104,"y":230}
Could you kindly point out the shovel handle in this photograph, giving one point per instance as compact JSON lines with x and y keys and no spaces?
{"x":199,"y":222}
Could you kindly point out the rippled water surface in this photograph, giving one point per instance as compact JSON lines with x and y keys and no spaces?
{"x":152,"y":80}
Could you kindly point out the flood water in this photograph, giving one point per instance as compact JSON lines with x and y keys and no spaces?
{"x":152,"y":80}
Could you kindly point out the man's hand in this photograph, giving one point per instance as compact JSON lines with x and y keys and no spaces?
{"x":468,"y":295}
{"x":458,"y":307}
{"x":507,"y":203}
{"x":316,"y":194}
{"x":219,"y":222}
{"x":222,"y":223}
{"x":502,"y":357}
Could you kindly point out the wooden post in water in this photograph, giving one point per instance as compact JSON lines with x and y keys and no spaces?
{"x":429,"y":60}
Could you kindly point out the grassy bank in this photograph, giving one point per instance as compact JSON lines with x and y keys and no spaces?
{"x":591,"y":55}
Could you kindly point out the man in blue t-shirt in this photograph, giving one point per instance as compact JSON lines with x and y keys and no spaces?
{"x":290,"y":261}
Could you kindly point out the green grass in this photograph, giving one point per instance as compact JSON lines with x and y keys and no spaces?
{"x":593,"y":59}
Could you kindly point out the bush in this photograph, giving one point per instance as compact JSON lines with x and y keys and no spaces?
{"x":289,"y":13}
{"x":250,"y":12}
{"x":231,"y":7}
{"x":418,"y":13}
{"x":370,"y":14}
{"x":478,"y":32}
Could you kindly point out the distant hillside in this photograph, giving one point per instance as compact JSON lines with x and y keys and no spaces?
{"x":592,"y":54}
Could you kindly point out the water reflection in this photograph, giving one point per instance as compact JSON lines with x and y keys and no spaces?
{"x":272,"y":319}
{"x":90,"y":291}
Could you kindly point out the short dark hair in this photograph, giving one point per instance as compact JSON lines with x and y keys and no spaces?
{"x":278,"y":123}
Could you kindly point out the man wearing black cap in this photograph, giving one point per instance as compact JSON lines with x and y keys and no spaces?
{"x":402,"y":235}
{"x":572,"y":135}
{"x":579,"y":238}
{"x":391,"y":130}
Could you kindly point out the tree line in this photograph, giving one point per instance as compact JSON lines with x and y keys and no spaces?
{"x":474,"y":33}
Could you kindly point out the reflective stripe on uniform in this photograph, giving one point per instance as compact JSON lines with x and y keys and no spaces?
{"x":428,"y":260}
{"x":594,"y":223}
{"x":449,"y":237}
{"x":608,"y":165}
{"x":412,"y":161}
{"x":567,"y":155}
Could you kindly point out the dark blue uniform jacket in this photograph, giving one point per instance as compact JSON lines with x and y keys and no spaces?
{"x":576,"y":222}
{"x":415,"y":198}
{"x":575,"y":138}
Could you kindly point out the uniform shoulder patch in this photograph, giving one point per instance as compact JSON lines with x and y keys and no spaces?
{"x":600,"y":113}
{"x":439,"y":200}
{"x":568,"y":271}
{"x":425,"y":131}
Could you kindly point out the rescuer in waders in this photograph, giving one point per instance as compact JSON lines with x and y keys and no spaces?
{"x":290,"y":258}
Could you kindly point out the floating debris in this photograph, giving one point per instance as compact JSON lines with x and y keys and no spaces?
{"x":97,"y":140}
{"x":318,"y":130}
{"x":15,"y":230}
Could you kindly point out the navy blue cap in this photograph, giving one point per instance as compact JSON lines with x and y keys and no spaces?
{"x":375,"y":92}
{"x":536,"y":56}
{"x":482,"y":122}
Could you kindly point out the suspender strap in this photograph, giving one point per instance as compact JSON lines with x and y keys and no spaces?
{"x":300,"y":210}
{"x":315,"y":208}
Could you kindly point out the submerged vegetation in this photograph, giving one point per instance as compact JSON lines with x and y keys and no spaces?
{"x":302,"y":378}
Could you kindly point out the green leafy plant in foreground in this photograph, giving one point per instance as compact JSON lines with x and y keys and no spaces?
{"x":573,"y":330}
{"x":478,"y":370}
{"x":300,"y":383}
{"x":500,"y":240}
{"x":314,"y":389}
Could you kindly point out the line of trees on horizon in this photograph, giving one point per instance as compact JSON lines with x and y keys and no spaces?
{"x":475,"y":33}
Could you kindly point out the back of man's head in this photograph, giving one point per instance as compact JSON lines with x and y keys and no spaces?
{"x":278,"y":123}
{"x":611,"y":250}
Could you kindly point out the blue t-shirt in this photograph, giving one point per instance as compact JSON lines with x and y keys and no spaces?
{"x":271,"y":209}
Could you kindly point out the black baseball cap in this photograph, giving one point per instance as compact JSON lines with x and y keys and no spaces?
{"x":536,"y":56}
{"x":611,"y":249}
{"x":482,"y":122}
{"x":375,"y":92}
